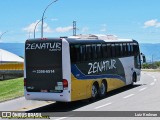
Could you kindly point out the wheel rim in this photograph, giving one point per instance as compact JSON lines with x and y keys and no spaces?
{"x":103,"y":88}
{"x":94,"y":91}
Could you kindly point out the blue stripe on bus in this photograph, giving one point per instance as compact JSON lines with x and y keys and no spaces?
{"x":79,"y":75}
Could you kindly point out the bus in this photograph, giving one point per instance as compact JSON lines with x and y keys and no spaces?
{"x":80,"y":67}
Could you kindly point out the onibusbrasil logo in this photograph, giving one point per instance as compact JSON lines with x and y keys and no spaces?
{"x":23,"y":115}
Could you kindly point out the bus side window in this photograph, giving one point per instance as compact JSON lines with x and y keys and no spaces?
{"x":113,"y":50}
{"x":109,"y":50}
{"x":88,"y":52}
{"x":75,"y":53}
{"x":99,"y":51}
{"x":127,"y":53}
{"x":124,"y":50}
{"x":135,"y":49}
{"x":117,"y":50}
{"x":72,"y":54}
{"x":82,"y":52}
{"x":104,"y":50}
{"x":129,"y":49}
{"x":121,"y":50}
{"x":131,"y":45}
{"x":94,"y":51}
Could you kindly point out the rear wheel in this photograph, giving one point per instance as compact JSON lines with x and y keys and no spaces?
{"x":102,"y":89}
{"x":94,"y":91}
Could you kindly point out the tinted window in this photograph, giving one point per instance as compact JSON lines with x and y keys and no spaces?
{"x":109,"y":50}
{"x":135,"y":49}
{"x":131,"y":45}
{"x":129,"y":49}
{"x":113,"y":50}
{"x":117,"y":47}
{"x":104,"y":50}
{"x":88,"y":52}
{"x":94,"y":51}
{"x":124,"y":49}
{"x":99,"y":51}
{"x":75,"y":53}
{"x":82,"y":52}
{"x":121,"y":50}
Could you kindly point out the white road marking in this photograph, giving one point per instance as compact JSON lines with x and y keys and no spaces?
{"x":128,"y":96}
{"x":155,"y":80}
{"x":61,"y":118}
{"x":152,"y":83}
{"x":102,"y":105}
{"x":142,"y":89}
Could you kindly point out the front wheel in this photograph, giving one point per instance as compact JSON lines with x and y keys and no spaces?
{"x":102,"y":89}
{"x":134,"y":77}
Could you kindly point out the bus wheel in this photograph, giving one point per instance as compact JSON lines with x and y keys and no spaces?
{"x":134,"y":78}
{"x":94,"y":91}
{"x":102,"y":89}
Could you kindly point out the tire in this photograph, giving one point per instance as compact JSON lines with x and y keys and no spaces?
{"x":94,"y":93}
{"x":103,"y":89}
{"x":134,"y":78}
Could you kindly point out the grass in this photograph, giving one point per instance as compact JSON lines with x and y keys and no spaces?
{"x":10,"y":89}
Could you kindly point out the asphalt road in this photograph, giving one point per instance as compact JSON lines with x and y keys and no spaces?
{"x":143,"y":96}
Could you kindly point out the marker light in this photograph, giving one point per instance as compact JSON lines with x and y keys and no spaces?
{"x":43,"y":38}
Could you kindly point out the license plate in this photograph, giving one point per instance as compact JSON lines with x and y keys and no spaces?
{"x":58,"y":87}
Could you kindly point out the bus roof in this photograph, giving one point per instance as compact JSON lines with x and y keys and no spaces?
{"x":96,"y":38}
{"x":90,"y":38}
{"x":106,"y":38}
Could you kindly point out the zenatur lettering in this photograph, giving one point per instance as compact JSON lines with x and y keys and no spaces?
{"x":42,"y":46}
{"x":101,"y":66}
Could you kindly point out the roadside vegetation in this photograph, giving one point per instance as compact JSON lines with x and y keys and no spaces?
{"x":151,"y":67}
{"x":154,"y":65}
{"x":10,"y":89}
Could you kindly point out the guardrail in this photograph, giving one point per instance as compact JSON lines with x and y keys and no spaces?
{"x":11,"y":70}
{"x":11,"y":66}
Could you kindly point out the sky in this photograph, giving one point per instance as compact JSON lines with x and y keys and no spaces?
{"x":135,"y":19}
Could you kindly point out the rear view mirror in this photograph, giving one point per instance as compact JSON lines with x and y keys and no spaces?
{"x":143,"y":58}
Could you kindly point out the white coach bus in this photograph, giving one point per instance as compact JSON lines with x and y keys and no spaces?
{"x":79,"y":67}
